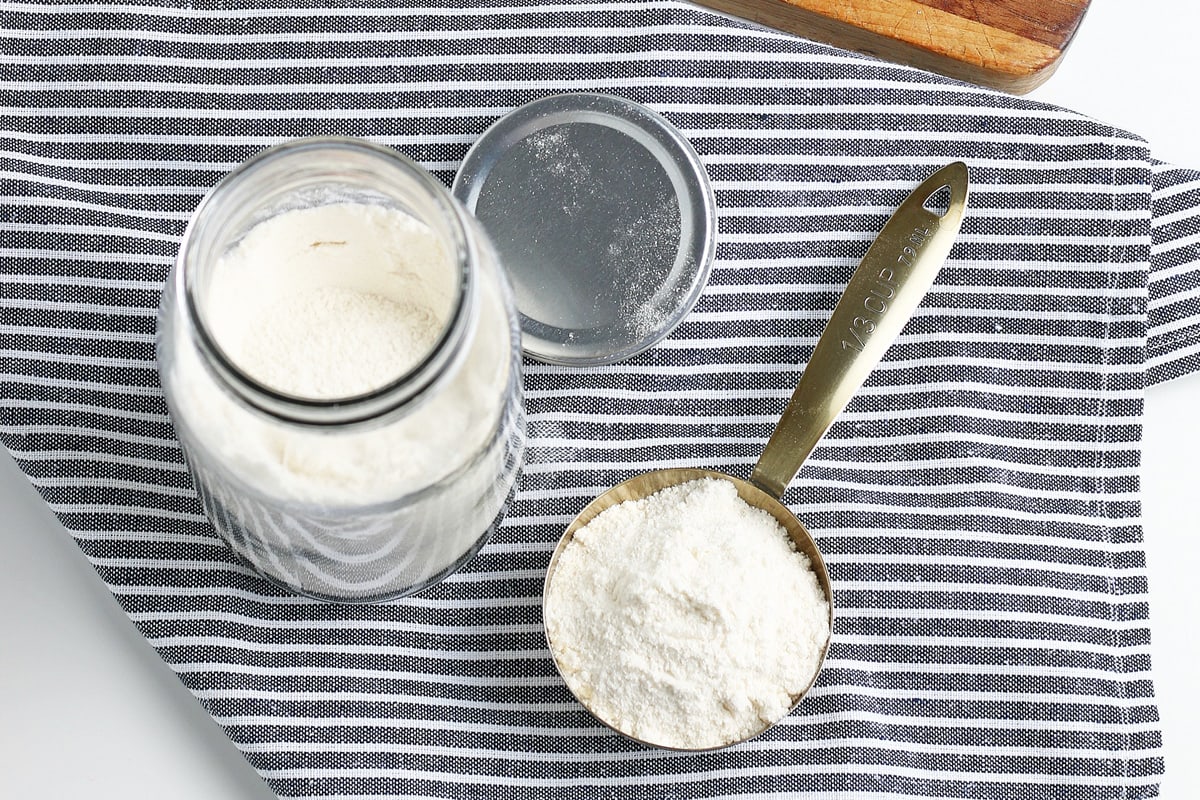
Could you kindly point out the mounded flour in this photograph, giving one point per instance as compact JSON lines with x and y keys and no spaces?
{"x":687,"y":619}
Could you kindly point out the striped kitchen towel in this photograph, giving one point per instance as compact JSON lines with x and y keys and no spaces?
{"x":977,"y":501}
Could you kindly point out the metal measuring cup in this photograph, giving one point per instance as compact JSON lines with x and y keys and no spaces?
{"x":884,"y":291}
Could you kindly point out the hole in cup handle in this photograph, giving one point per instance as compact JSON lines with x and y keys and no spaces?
{"x":946,"y":185}
{"x":938,"y":203}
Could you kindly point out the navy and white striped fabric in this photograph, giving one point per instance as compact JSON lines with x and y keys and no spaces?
{"x":977,"y":501}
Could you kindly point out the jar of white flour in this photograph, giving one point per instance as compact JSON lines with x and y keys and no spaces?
{"x":340,"y":356}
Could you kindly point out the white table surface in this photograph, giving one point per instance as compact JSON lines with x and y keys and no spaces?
{"x":88,"y":709}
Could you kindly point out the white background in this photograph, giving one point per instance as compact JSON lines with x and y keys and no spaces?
{"x":88,"y":709}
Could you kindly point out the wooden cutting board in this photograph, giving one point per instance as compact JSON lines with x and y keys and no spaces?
{"x":1012,"y":45}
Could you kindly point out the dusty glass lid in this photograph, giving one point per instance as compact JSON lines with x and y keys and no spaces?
{"x":603,"y":218}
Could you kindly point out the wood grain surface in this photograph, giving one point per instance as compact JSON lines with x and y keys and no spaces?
{"x":1012,"y":45}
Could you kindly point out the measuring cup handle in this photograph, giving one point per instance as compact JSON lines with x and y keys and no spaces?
{"x":882,"y":295}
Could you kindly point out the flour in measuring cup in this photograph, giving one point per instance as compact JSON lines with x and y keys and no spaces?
{"x":686,"y":619}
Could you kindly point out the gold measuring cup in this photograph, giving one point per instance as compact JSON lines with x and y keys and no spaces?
{"x":896,"y":272}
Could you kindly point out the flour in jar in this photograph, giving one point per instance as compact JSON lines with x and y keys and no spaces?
{"x":331,"y":302}
{"x":686,"y":619}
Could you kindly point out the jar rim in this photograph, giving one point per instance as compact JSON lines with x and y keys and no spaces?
{"x":377,"y":403}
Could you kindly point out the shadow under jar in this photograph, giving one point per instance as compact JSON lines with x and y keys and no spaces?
{"x":340,"y":356}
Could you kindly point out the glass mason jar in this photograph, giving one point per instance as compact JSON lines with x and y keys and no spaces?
{"x":392,"y":487}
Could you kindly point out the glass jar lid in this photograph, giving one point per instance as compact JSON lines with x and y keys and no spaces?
{"x":603,"y":218}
